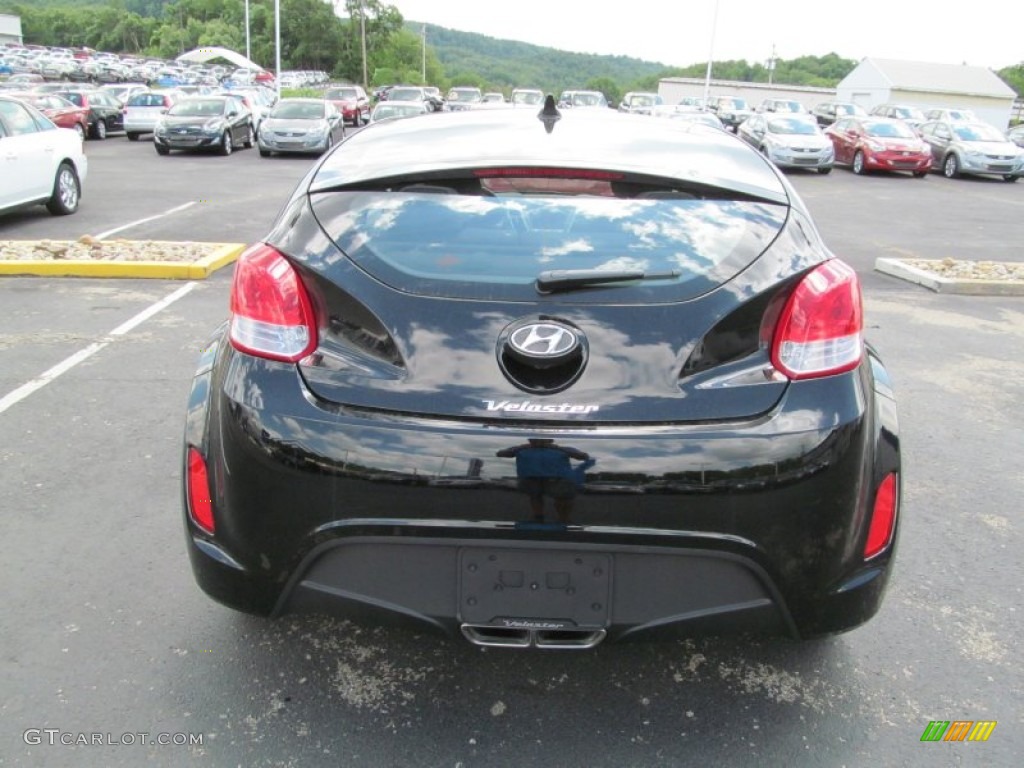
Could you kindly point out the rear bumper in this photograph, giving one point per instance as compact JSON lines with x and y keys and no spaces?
{"x":756,"y":526}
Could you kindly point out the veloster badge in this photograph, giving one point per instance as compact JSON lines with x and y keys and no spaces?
{"x":526,"y":406}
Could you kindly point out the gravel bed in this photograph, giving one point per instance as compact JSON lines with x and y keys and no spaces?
{"x":956,"y":269}
{"x":90,"y":249}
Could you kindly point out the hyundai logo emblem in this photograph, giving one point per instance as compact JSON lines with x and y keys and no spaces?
{"x":543,"y":340}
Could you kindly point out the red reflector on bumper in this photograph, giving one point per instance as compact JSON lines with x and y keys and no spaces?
{"x":883,"y":517}
{"x":200,"y":503}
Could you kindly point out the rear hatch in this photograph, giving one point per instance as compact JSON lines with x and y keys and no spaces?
{"x":429,"y":296}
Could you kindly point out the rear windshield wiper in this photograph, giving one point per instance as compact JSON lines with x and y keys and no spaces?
{"x":571,"y":279}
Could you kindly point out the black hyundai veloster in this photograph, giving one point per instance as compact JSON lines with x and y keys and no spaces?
{"x":545,"y":380}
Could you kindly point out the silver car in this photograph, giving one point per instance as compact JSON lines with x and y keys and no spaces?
{"x":391,"y":110}
{"x":975,"y":148}
{"x":461,"y":99}
{"x":301,"y":125}
{"x":143,"y":110}
{"x":789,"y":140}
{"x":527,"y":97}
{"x":641,"y":103}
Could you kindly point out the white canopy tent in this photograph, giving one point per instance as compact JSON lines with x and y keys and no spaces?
{"x":203,"y":55}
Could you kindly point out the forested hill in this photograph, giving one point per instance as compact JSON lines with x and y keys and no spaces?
{"x":469,"y":56}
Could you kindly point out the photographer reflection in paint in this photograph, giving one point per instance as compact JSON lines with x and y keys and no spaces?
{"x":545,"y":468}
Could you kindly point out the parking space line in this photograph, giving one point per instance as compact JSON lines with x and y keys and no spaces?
{"x":115,"y":230}
{"x":19,"y":394}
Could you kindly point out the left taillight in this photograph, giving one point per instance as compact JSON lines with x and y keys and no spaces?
{"x":200,"y":502}
{"x":820,"y":330}
{"x":271,"y":315}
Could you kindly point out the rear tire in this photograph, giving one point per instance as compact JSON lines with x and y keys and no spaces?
{"x":858,"y":163}
{"x":99,"y":131}
{"x":133,"y":137}
{"x":951,"y":167}
{"x":81,"y":131}
{"x":67,"y":191}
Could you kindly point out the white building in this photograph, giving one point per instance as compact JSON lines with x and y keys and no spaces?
{"x":673,"y":89}
{"x":923,"y":85}
{"x":10,"y":29}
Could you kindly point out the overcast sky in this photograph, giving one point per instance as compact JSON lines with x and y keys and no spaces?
{"x":679,"y":32}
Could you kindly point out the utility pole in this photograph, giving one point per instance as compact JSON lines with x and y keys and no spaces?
{"x":771,"y":65}
{"x":248,"y":50}
{"x":277,"y":47}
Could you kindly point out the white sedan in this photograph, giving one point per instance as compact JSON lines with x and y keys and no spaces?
{"x":39,"y":162}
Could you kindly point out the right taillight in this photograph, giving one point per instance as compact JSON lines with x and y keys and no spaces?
{"x":883,"y":517}
{"x":271,"y":315}
{"x":820,"y":329}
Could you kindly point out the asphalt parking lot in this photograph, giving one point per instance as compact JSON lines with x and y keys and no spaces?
{"x":105,"y":632}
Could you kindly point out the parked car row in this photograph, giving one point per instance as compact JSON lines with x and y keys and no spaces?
{"x":84,"y":65}
{"x":892,"y":137}
{"x":873,"y":143}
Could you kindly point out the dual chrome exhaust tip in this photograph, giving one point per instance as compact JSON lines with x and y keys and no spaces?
{"x":509,"y":637}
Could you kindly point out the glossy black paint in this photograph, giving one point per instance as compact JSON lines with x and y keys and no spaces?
{"x":371,"y":476}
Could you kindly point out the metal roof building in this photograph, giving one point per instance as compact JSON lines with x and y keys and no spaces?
{"x":926,"y":85}
{"x":10,"y":29}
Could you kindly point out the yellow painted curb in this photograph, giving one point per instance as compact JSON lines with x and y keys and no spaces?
{"x":225,"y":254}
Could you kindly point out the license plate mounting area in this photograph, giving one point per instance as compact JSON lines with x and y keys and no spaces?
{"x":534,"y":589}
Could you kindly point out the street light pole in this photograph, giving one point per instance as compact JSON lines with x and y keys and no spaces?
{"x":248,"y":51}
{"x":424,"y":34}
{"x":711,"y":56}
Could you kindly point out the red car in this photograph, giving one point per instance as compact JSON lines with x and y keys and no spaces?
{"x":879,"y":144}
{"x":351,"y":101}
{"x":62,"y":112}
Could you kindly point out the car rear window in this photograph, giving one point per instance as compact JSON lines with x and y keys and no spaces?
{"x":146,"y":100}
{"x":432,"y":239}
{"x":405,"y":94}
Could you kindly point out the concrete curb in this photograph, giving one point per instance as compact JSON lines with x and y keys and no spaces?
{"x":223,"y":254}
{"x":934,"y":282}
